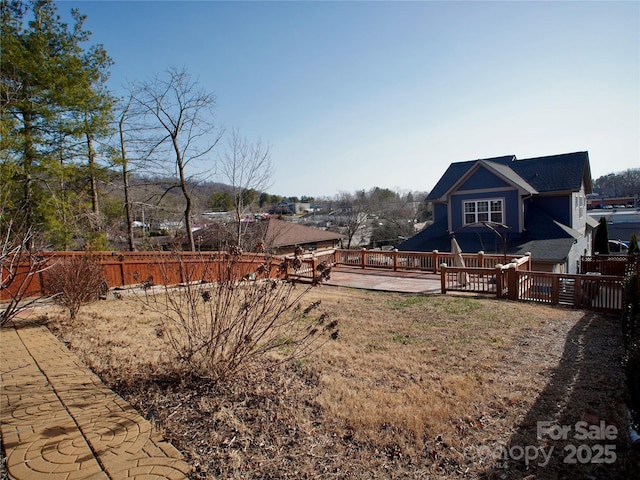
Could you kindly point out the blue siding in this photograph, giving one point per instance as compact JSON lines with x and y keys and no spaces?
{"x":481,"y":179}
{"x":510,"y":207}
{"x":558,"y":208}
{"x":439,"y":211}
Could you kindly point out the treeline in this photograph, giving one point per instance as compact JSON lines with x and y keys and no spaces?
{"x":623,"y":184}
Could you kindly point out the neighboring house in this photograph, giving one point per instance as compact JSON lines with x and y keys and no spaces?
{"x":283,"y":237}
{"x":536,"y":205}
{"x":290,"y":208}
{"x":277,"y":236}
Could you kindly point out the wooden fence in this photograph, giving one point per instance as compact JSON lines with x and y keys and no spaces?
{"x":596,"y":289}
{"x":606,"y":264}
{"x":122,"y":269}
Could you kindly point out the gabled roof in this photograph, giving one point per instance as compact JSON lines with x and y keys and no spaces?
{"x":511,"y":176}
{"x":556,"y":173}
{"x":501,"y":170}
{"x":281,"y":234}
{"x":456,"y":171}
{"x":275,"y":234}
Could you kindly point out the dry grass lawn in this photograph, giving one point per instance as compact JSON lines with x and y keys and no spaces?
{"x":414,"y":387}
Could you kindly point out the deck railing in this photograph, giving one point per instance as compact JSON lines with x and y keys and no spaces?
{"x":430,"y":262}
{"x":493,"y":280}
{"x":594,"y":292}
{"x":423,"y":261}
{"x":590,"y":291}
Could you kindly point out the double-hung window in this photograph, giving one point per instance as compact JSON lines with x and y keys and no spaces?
{"x":477,"y":211}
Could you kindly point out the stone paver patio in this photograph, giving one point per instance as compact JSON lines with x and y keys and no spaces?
{"x":59,"y":421}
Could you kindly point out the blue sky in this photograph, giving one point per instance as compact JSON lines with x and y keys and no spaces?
{"x":353,"y":95}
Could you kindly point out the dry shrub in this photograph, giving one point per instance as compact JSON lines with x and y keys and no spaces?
{"x":18,"y":264}
{"x":74,"y":281}
{"x":217,"y":328}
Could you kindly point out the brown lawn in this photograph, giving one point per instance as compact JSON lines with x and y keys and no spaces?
{"x":413,"y":387}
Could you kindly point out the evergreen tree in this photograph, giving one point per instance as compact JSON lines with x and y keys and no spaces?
{"x":601,"y":241}
{"x":52,"y":94}
{"x":634,"y":249}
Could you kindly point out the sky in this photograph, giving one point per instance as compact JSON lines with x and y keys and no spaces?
{"x":356,"y":95}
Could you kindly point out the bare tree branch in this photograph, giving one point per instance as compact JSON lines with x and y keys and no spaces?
{"x":184,"y":111}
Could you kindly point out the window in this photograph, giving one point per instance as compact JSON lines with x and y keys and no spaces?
{"x":483,"y":211}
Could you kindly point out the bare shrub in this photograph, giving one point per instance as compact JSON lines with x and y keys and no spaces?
{"x":229,"y":314}
{"x":74,"y":281}
{"x":18,"y":265}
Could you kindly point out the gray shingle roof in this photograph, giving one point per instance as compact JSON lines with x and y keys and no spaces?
{"x":555,"y":173}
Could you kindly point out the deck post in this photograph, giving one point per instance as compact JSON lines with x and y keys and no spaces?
{"x":395,"y":259}
{"x":481,"y":259}
{"x":555,"y":290}
{"x":512,"y":279}
{"x":577,"y":292}
{"x":443,"y":277}
{"x":314,"y":265}
{"x":435,"y":261}
{"x":499,"y":292}
{"x":363,"y":257}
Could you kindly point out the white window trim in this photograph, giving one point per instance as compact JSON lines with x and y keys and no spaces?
{"x":475,"y":212}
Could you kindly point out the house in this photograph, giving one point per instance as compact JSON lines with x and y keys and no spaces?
{"x":276,"y":236}
{"x":283,"y":237}
{"x":508,"y":206}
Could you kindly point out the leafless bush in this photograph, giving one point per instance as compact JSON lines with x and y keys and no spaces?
{"x":74,"y":281}
{"x":230,"y":314}
{"x":18,"y":265}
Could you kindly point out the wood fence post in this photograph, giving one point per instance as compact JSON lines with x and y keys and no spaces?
{"x":577,"y":292}
{"x":555,"y":290}
{"x":443,"y":278}
{"x":512,"y":279}
{"x":395,"y":259}
{"x":314,"y":265}
{"x":435,"y":261}
{"x":481,"y":259}
{"x":121,"y":264}
{"x":363,"y":257}
{"x":181,"y":265}
{"x":499,"y":292}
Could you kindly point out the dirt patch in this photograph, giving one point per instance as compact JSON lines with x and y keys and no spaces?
{"x":414,"y":387}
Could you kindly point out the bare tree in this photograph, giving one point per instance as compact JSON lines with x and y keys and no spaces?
{"x":246,"y":167}
{"x":352,"y":214}
{"x":136,"y":146}
{"x":184,"y":112}
{"x":125,"y":173}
